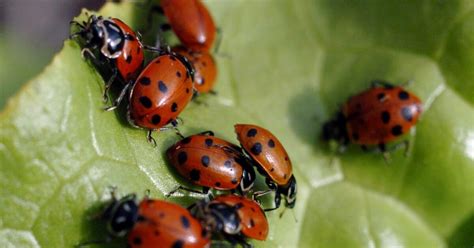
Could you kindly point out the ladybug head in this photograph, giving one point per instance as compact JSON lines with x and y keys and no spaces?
{"x":121,"y":215}
{"x":335,"y":129}
{"x":218,"y":217}
{"x":89,"y":31}
{"x":101,"y":34}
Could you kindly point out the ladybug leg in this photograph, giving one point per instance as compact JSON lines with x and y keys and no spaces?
{"x":109,"y":84}
{"x":150,"y":138}
{"x":277,"y":201}
{"x":205,"y":191}
{"x":119,"y":99}
{"x":383,"y":83}
{"x":385,"y":153}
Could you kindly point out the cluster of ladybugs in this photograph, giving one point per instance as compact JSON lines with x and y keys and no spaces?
{"x":158,"y":93}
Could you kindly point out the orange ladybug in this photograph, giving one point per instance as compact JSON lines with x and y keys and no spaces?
{"x":211,"y":162}
{"x":271,"y":160}
{"x":115,"y":44}
{"x":376,"y":116}
{"x":160,"y":93}
{"x":153,"y":222}
{"x":205,"y":68}
{"x":191,"y":22}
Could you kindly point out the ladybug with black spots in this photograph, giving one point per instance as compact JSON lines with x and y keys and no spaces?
{"x":112,"y":42}
{"x":271,"y":160}
{"x":205,"y":68}
{"x":160,"y":93}
{"x":211,"y":162}
{"x":191,"y":22}
{"x":375,"y":117}
{"x":151,"y":223}
{"x":222,"y":218}
{"x":254,"y":223}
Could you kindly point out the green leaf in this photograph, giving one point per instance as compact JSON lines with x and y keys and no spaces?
{"x":290,"y":65}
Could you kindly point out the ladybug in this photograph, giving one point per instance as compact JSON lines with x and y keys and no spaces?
{"x":211,"y":162}
{"x":271,"y":160}
{"x":222,"y":220}
{"x":191,"y":22}
{"x":160,"y":93}
{"x":151,"y":222}
{"x":115,"y":43}
{"x":252,"y":218}
{"x":376,"y":116}
{"x":205,"y":68}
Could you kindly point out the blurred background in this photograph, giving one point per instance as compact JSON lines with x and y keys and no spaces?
{"x":31,"y":32}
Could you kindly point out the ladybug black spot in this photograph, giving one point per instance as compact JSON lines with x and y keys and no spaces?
{"x":218,"y":184}
{"x":252,"y":132}
{"x":256,"y":148}
{"x":272,"y":169}
{"x":178,"y":244}
{"x":178,"y":74}
{"x":234,"y":181}
{"x":228,"y":163}
{"x":403,"y":95}
{"x":195,"y":175}
{"x":187,"y":90}
{"x":182,"y":157}
{"x":144,"y":80}
{"x":185,"y":222}
{"x":205,"y":160}
{"x":385,"y":117}
{"x":253,"y":209}
{"x":407,"y":114}
{"x":140,"y":218}
{"x":162,"y":86}
{"x":129,"y":59}
{"x":208,"y":142}
{"x":381,"y":96}
{"x":155,"y":119}
{"x":252,"y":223}
{"x":397,"y":130}
{"x":285,"y":176}
{"x":174,"y":107}
{"x":137,"y":241}
{"x":271,"y":143}
{"x":186,"y":140}
{"x":145,"y":101}
{"x":156,"y":233}
{"x":157,"y":61}
{"x":355,"y":136}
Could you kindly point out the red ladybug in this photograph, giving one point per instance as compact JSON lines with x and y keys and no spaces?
{"x":271,"y":160}
{"x":160,"y":93}
{"x":115,"y":43}
{"x":252,"y":218}
{"x":211,"y":162}
{"x":153,"y":223}
{"x":191,"y":22}
{"x":204,"y":66}
{"x":376,"y":116}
